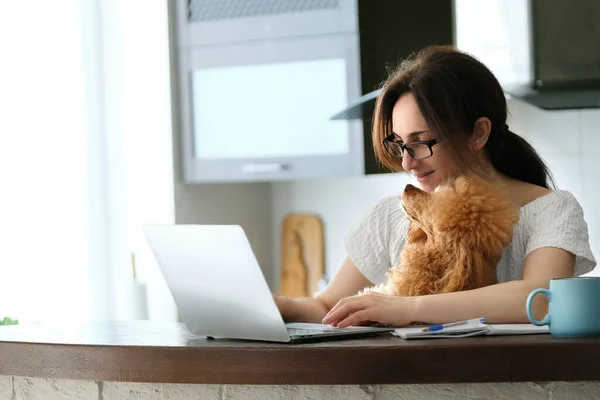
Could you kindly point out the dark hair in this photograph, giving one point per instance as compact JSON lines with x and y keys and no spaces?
{"x":453,"y":90}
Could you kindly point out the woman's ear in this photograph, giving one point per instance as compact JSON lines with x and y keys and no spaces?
{"x":481,"y":133}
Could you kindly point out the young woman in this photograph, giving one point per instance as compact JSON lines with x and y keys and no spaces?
{"x":440,"y":114}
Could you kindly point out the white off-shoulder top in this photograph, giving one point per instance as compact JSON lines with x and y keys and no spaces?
{"x":553,"y":220}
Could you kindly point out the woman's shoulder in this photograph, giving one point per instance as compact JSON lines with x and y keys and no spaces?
{"x":389,"y":211}
{"x":556,"y":212}
{"x":555,"y":220}
{"x":386,"y":206}
{"x":551,"y":201}
{"x":383,"y":215}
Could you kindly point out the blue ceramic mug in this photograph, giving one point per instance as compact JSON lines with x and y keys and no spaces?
{"x":573,"y":307}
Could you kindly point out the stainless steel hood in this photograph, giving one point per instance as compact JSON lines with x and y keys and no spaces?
{"x":559,"y":43}
{"x":362,"y":108}
{"x":557,"y":99}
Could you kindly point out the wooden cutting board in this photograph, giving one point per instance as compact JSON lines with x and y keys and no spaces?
{"x":302,"y":255}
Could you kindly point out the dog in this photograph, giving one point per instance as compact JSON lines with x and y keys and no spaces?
{"x":456,"y":237}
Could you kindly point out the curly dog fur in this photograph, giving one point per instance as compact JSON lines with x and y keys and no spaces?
{"x":456,"y":237}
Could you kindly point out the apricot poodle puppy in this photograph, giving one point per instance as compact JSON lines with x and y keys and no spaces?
{"x":456,"y":237}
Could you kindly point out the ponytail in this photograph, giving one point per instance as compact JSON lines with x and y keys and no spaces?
{"x":513,"y":156}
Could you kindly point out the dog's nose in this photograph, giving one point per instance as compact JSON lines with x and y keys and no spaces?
{"x":409,"y":188}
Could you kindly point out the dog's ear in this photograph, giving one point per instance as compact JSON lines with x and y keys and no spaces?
{"x":415,"y":234}
{"x":477,"y":213}
{"x":469,"y":271}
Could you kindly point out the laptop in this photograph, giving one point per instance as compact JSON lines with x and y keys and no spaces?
{"x":219,"y":288}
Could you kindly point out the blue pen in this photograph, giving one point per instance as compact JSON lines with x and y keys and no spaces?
{"x":435,"y":328}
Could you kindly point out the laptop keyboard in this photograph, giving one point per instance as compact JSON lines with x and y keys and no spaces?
{"x":309,"y":331}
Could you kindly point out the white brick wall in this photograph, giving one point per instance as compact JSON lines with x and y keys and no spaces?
{"x":496,"y":391}
{"x":54,"y":389}
{"x":325,"y":392}
{"x":51,"y":389}
{"x":5,"y":387}
{"x":155,"y":391}
{"x":575,"y":391}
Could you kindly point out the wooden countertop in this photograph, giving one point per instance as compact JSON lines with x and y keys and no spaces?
{"x":147,"y":351}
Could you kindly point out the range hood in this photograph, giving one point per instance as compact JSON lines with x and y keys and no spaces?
{"x":361,"y":108}
{"x":544,"y":52}
{"x":552,"y":48}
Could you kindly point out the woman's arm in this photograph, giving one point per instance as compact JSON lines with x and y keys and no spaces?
{"x":505,"y":302}
{"x":500,"y":303}
{"x":346,"y":282}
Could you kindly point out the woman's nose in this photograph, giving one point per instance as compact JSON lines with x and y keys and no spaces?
{"x":408,"y":162}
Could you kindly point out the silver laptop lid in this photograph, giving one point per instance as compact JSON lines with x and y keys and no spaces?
{"x":216,"y":281}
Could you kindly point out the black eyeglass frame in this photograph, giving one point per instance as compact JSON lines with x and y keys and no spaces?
{"x":404,"y":147}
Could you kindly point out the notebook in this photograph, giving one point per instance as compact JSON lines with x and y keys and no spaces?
{"x":469,"y":330}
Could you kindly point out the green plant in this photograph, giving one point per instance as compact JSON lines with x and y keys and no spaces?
{"x":8,"y":321}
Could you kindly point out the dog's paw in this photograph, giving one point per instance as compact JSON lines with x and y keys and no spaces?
{"x":365,"y":290}
{"x":381,"y":288}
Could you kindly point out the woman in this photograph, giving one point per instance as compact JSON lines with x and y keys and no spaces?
{"x":440,"y":114}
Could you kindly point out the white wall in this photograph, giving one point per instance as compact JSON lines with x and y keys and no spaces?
{"x":569,"y":141}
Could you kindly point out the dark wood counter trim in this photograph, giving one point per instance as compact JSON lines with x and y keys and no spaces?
{"x":384,"y":360}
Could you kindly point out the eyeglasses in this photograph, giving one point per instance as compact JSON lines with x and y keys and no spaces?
{"x":417,"y":150}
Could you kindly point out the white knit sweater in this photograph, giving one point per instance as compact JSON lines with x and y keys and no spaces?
{"x":554,"y":220}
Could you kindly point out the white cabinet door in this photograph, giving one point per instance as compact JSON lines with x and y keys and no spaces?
{"x":260,"y":110}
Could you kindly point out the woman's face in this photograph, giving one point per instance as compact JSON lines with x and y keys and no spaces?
{"x":409,"y":126}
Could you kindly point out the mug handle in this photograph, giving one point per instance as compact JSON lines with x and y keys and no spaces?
{"x":546,"y":320}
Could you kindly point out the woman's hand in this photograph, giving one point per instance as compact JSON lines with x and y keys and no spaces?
{"x":370,"y":308}
{"x":306,"y":309}
{"x":283,"y":304}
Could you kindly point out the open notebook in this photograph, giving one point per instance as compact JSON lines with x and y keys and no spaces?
{"x":468,"y":330}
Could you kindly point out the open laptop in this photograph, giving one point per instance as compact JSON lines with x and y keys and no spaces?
{"x":220,"y":290}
